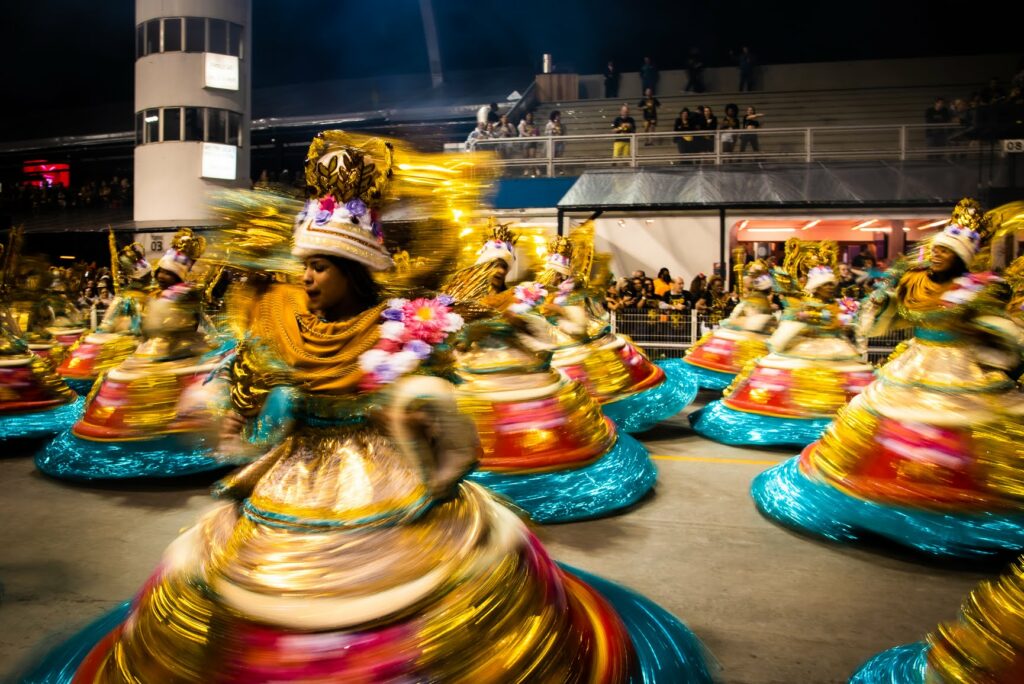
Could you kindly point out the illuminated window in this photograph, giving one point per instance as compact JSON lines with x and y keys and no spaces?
{"x":151,"y":121}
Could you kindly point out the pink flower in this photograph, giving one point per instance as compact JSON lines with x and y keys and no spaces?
{"x":425,"y":319}
{"x":327,"y":204}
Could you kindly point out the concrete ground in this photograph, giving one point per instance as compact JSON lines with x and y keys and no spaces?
{"x":772,"y":606}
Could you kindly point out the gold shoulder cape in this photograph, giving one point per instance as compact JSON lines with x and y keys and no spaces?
{"x":323,"y":356}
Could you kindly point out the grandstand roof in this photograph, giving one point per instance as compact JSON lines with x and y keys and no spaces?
{"x":818,"y":185}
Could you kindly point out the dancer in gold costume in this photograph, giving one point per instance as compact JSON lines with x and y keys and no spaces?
{"x":928,"y":455}
{"x":546,"y":444}
{"x":134,"y":424}
{"x":34,"y":401}
{"x":985,"y":645}
{"x":720,"y":354}
{"x":632,"y":390}
{"x":813,"y":370}
{"x":120,"y":331}
{"x":354,"y":550}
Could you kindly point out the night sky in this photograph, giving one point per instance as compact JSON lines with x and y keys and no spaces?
{"x":60,"y":53}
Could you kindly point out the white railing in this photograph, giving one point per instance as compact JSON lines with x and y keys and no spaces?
{"x":567,"y":154}
{"x":667,"y":332}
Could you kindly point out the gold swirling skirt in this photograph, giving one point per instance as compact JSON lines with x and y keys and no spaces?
{"x":336,"y":567}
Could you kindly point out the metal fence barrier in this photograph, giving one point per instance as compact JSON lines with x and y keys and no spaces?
{"x":667,"y":334}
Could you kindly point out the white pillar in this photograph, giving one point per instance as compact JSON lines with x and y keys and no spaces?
{"x":193,"y":105}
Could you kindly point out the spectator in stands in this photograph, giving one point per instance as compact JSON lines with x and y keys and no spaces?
{"x":503,"y":130}
{"x":476,"y":135}
{"x":710,"y":124}
{"x":648,"y":298}
{"x":663,"y":282}
{"x":715,"y":301}
{"x":648,"y":76}
{"x":697,"y":286}
{"x":745,"y":62}
{"x":730,"y":123}
{"x":554,"y":128}
{"x":751,"y":122}
{"x":677,"y":297}
{"x":528,"y":129}
{"x":936,"y":115}
{"x":488,"y":113}
{"x":632,"y":293}
{"x":623,"y":123}
{"x":649,"y":105}
{"x":611,"y":80}
{"x":612,"y":300}
{"x":847,"y":283}
{"x":694,"y":72}
{"x":993,"y":92}
{"x":684,"y":124}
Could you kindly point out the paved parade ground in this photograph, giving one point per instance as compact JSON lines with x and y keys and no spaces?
{"x":772,"y":606}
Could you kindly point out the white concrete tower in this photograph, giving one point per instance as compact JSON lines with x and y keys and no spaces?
{"x":193,"y":105}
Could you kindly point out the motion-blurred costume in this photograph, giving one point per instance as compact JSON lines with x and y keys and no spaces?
{"x":41,"y":306}
{"x":546,"y":444}
{"x":34,"y":401}
{"x":632,"y":391}
{"x":354,"y":550}
{"x":135,"y":423}
{"x":985,"y":645}
{"x":120,"y":331}
{"x":720,"y":354}
{"x":790,"y":396}
{"x":929,"y":455}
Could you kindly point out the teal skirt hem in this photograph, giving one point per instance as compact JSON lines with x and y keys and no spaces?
{"x":729,"y":426}
{"x":618,"y":479}
{"x":641,"y":411}
{"x":784,"y":494}
{"x":40,"y":423}
{"x":900,"y":665}
{"x":707,"y":378}
{"x":72,"y":458}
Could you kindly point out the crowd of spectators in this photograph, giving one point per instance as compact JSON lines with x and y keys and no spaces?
{"x":112,"y":193}
{"x":962,"y":110}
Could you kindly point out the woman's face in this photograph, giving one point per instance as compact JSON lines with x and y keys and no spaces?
{"x":166,"y":279}
{"x":826,"y":292}
{"x":750,"y":110}
{"x":943,"y":259}
{"x":326,"y":285}
{"x":715,"y":285}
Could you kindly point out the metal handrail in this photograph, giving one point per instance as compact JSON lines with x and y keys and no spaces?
{"x":544,"y":146}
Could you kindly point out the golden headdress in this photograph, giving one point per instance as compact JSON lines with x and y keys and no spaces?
{"x":186,"y":248}
{"x":966,"y":229}
{"x":346,"y":180}
{"x":501,"y":244}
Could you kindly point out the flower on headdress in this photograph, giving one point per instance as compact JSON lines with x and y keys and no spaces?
{"x":355,"y":207}
{"x":327,"y":204}
{"x":393,"y":330}
{"x":564,"y":290}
